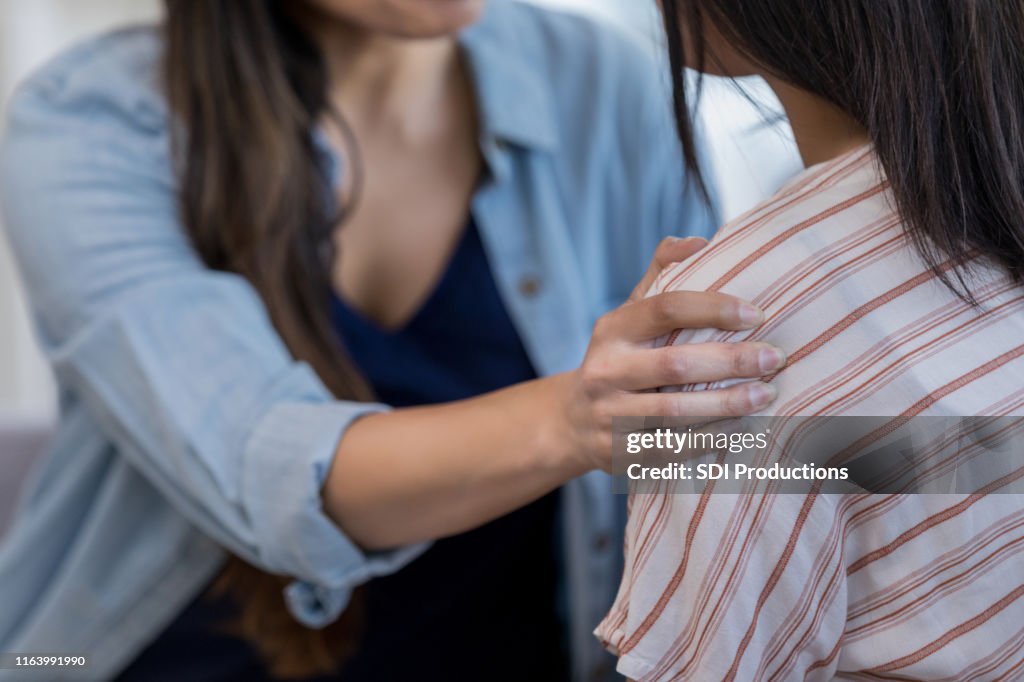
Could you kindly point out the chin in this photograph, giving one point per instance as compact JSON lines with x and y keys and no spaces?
{"x":412,"y":19}
{"x":437,"y":18}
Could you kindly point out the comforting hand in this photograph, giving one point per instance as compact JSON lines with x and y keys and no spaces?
{"x":623,"y":369}
{"x":422,"y":473}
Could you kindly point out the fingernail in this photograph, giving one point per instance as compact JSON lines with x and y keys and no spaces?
{"x":761,"y":394}
{"x":770,"y":359}
{"x":751,"y":314}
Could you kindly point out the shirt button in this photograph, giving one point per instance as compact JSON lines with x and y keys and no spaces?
{"x":529,"y":286}
{"x":602,"y":542}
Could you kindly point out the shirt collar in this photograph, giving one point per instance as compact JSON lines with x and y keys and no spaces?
{"x":514,"y":99}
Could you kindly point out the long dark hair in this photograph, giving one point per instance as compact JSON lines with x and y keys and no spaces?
{"x":247,"y":88}
{"x":937,"y":84}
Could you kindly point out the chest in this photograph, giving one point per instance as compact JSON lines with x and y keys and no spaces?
{"x":394,"y":249}
{"x":411,"y":209}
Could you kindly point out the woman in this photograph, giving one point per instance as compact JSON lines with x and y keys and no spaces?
{"x":257,"y":246}
{"x":891,"y":268}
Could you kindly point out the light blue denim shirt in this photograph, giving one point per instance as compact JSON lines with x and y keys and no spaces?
{"x":187,"y":429}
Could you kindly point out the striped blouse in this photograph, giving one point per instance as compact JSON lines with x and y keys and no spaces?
{"x":818,"y":587}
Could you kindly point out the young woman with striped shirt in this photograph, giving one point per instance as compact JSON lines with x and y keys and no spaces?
{"x":891,"y":269}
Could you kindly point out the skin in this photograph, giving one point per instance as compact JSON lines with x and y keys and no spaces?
{"x":424,"y":473}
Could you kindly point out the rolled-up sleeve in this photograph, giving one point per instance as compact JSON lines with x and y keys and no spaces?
{"x":178,"y":363}
{"x":305,"y":535}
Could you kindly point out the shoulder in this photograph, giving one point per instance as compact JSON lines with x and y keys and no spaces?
{"x":107,"y":86}
{"x":95,"y":107}
{"x":808,"y":223}
{"x":802,"y":251}
{"x":84,"y":160}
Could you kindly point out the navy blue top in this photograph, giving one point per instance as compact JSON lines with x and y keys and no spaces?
{"x":460,"y":343}
{"x":479,"y":605}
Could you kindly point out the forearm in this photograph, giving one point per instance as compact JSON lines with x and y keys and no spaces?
{"x":424,"y":473}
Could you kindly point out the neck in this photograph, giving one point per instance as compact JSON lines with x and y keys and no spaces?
{"x":822,"y":130}
{"x":380,"y":81}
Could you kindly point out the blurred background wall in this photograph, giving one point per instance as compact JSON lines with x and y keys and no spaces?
{"x":750,"y":158}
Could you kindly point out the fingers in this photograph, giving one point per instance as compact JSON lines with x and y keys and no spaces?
{"x":693,"y":364}
{"x":670,"y":250}
{"x":662,"y":314}
{"x":735,"y":401}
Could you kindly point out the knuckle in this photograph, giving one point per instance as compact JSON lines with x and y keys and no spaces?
{"x":665,"y":244}
{"x":602,"y":372}
{"x":591,"y":380}
{"x":603,"y":326}
{"x":600,"y":440}
{"x":672,"y":405}
{"x":662,"y":307}
{"x":674,"y":363}
{"x":603,"y":414}
{"x":724,"y":311}
{"x":739,"y":361}
{"x":736,"y":401}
